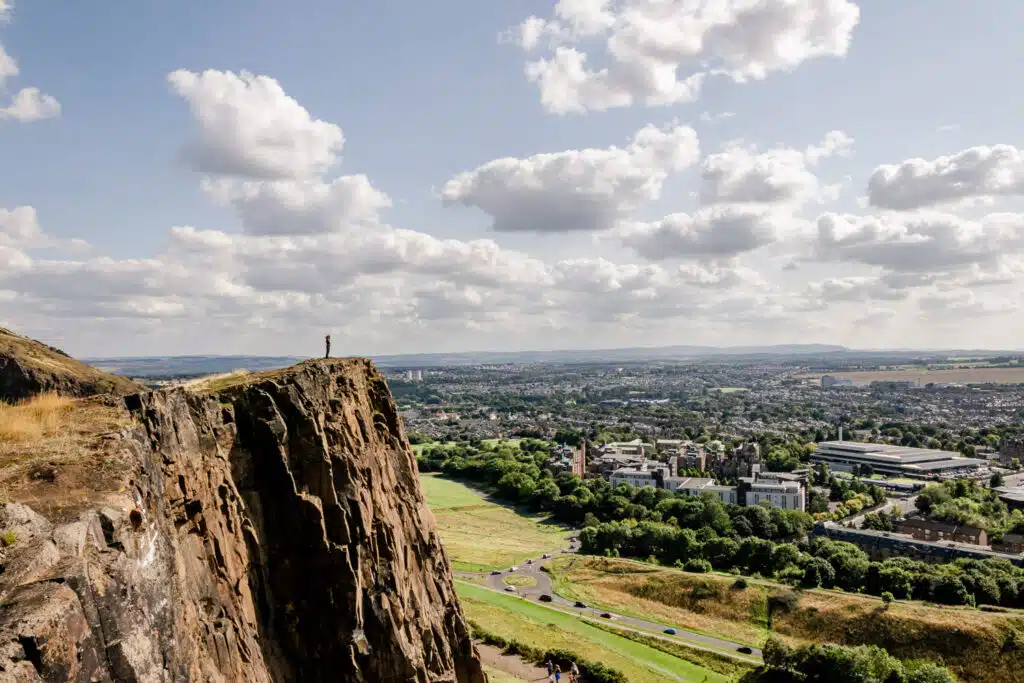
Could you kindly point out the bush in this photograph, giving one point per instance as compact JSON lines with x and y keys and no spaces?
{"x":739,"y":584}
{"x":697,"y":565}
{"x":887,"y":597}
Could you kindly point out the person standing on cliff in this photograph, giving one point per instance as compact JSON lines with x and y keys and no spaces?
{"x":327,"y":340}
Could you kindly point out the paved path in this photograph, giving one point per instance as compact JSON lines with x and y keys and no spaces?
{"x":511,"y":664}
{"x":904,"y":505}
{"x":543,"y":586}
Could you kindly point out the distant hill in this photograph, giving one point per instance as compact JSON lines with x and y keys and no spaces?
{"x":637,"y":354}
{"x":29,"y":367}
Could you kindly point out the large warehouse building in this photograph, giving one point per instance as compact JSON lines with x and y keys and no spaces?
{"x":899,"y":461}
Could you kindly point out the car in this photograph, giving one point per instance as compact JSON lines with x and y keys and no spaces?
{"x":529,"y":562}
{"x":573,"y":539}
{"x":545,"y":598}
{"x":606,"y":615}
{"x":670,"y":631}
{"x":745,"y":650}
{"x":510,"y":589}
{"x":495,"y":572}
{"x":513,"y":568}
{"x":580,"y":604}
{"x":546,"y":556}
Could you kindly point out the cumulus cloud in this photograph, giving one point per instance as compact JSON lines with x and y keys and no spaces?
{"x":740,"y":174}
{"x":978,"y":172}
{"x":919,"y":243}
{"x":575,"y":190}
{"x":249,"y":128}
{"x":660,"y":53}
{"x":28,"y":104}
{"x":719,"y":231}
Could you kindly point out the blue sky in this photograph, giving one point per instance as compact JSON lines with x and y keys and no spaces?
{"x":425,"y":91}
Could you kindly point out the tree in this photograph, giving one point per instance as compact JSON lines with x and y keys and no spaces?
{"x":996,"y":480}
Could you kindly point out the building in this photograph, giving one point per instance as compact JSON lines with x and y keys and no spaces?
{"x":1012,"y":544}
{"x":769,"y":487}
{"x":1013,"y":496}
{"x":695,"y":486}
{"x":604,"y":465}
{"x":634,"y":447}
{"x":644,"y":475}
{"x":931,"y":530}
{"x":744,"y":461}
{"x":881,"y":545}
{"x":1011,"y":449}
{"x":899,"y":461}
{"x":828,"y":381}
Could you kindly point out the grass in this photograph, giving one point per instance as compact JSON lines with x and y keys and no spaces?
{"x":730,"y":390}
{"x":520,"y":581}
{"x":481,"y":535}
{"x":495,"y":676}
{"x":540,"y":626}
{"x":33,"y":419}
{"x":57,"y":454}
{"x":47,"y":360}
{"x":971,"y":642}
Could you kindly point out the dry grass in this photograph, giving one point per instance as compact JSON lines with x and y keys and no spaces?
{"x":31,"y":420}
{"x":215,"y":383}
{"x":972,"y":642}
{"x":60,"y":455}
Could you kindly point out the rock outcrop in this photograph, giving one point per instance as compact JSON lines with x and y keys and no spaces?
{"x":28,"y":367}
{"x":274,"y":531}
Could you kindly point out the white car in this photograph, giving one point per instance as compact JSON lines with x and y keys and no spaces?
{"x":513,"y":568}
{"x":510,"y":589}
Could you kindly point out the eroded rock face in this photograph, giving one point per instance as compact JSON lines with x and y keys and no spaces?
{"x":274,"y":533}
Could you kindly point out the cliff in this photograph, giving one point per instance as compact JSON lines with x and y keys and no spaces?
{"x":29,"y":367}
{"x":272,"y":530}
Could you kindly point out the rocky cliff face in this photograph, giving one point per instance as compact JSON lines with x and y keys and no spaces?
{"x":272,"y":532}
{"x":28,"y":367}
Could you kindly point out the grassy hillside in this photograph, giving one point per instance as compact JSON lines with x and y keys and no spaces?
{"x":479,"y":534}
{"x":28,"y":367}
{"x":977,"y":646}
{"x":533,"y":624}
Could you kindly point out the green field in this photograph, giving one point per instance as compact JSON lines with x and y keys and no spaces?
{"x":543,"y":627}
{"x":480,"y":535}
{"x":495,"y":676}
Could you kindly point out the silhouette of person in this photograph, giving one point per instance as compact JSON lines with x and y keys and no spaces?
{"x":327,"y":339}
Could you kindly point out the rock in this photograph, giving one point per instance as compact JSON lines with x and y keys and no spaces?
{"x":273,"y":532}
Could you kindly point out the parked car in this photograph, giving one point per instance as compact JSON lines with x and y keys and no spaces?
{"x":606,"y":615}
{"x":529,"y":562}
{"x":546,"y":556}
{"x":580,"y":604}
{"x":545,"y":598}
{"x":745,"y":650}
{"x":510,"y":589}
{"x":670,"y":631}
{"x":513,"y":568}
{"x":495,"y":572}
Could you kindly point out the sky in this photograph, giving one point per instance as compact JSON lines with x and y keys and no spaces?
{"x":231,"y":177}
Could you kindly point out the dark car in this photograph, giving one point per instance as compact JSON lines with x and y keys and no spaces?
{"x":606,"y":615}
{"x":580,"y":604}
{"x":545,"y":598}
{"x":670,"y":631}
{"x":495,"y":572}
{"x":745,"y":650}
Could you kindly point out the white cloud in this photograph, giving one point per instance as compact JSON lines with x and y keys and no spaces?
{"x":31,"y":105}
{"x":660,"y":53}
{"x":249,"y":127}
{"x":575,"y":190}
{"x":713,"y":232}
{"x":740,"y":174}
{"x":925,"y":243}
{"x":978,"y":172}
{"x":19,"y":227}
{"x":28,"y":104}
{"x":708,"y":117}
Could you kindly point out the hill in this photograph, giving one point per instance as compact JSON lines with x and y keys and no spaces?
{"x":29,"y":367}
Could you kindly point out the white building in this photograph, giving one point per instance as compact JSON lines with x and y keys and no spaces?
{"x":697,"y":486}
{"x":899,"y":461}
{"x":640,"y":476}
{"x":788,"y":495}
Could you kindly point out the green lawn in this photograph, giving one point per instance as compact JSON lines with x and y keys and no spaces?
{"x":540,"y":626}
{"x":730,"y":390}
{"x":495,"y":676}
{"x":480,"y":535}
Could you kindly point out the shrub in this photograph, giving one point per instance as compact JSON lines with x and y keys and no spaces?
{"x":887,"y":597}
{"x":739,"y":584}
{"x":697,"y":565}
{"x":8,"y":538}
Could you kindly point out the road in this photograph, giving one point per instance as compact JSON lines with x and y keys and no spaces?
{"x":904,"y":505}
{"x":543,"y":586}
